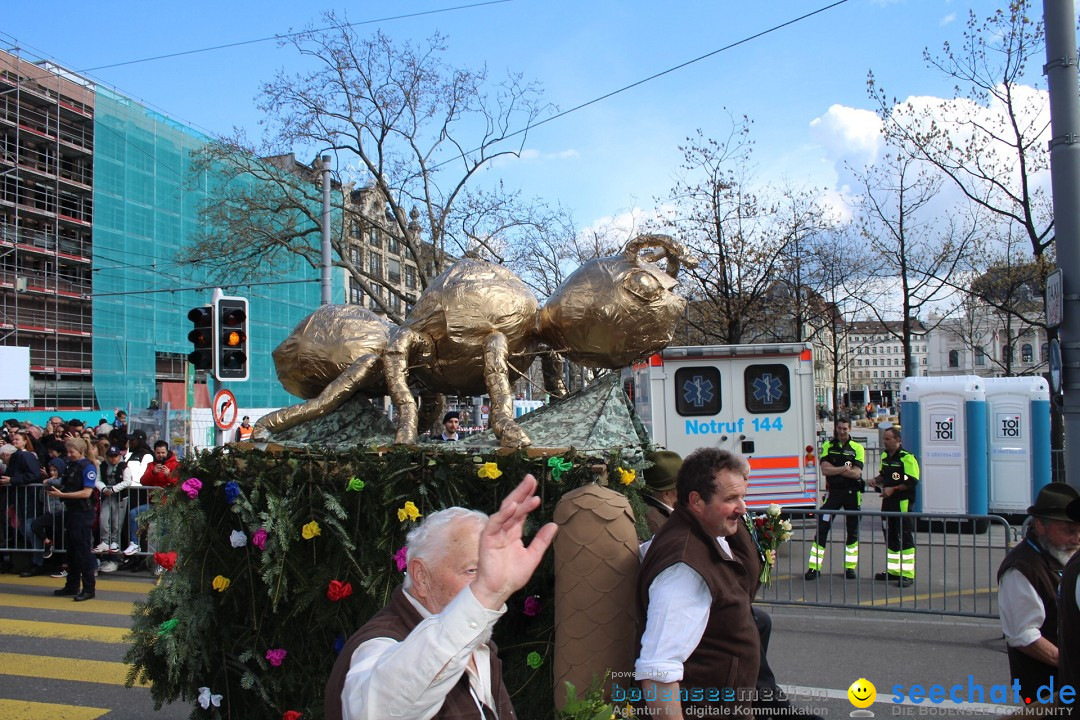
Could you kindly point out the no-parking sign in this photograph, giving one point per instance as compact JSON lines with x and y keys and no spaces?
{"x":224,"y":409}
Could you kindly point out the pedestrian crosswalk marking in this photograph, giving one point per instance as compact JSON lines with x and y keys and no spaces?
{"x":62,"y":631}
{"x":47,"y":711}
{"x":40,"y":666}
{"x":103,"y":583}
{"x":51,"y":602}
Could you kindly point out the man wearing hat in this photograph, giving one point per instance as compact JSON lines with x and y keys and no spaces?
{"x":1069,"y":615}
{"x":1028,"y":582}
{"x":661,"y":494}
{"x":451,"y":421}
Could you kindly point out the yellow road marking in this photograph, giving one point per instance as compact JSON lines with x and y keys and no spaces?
{"x":47,"y":711}
{"x":51,"y":602}
{"x":62,"y":631}
{"x":896,"y":597}
{"x":99,"y":672}
{"x":133,"y":586}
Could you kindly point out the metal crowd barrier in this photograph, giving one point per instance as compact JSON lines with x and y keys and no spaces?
{"x":956,"y":562}
{"x":22,"y":505}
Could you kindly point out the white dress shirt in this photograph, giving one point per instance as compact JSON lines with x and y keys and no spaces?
{"x":679,"y":605}
{"x":410,"y":679}
{"x":1021,"y":609}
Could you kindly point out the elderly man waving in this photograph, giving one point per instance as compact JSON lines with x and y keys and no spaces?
{"x":427,"y":654}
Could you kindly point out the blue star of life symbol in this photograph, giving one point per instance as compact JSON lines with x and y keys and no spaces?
{"x":768,"y":389}
{"x":698,"y":391}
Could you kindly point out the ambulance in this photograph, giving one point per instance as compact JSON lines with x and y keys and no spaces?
{"x":755,"y":400}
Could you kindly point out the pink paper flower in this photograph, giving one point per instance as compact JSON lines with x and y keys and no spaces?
{"x":258,"y":539}
{"x":401,"y":558}
{"x":192,"y":486}
{"x":532,"y":606}
{"x":276,"y":656}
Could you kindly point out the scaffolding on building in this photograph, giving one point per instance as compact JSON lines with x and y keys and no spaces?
{"x":46,"y":219}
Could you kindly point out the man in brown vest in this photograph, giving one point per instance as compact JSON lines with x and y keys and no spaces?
{"x":1028,"y":582}
{"x":699,"y":646}
{"x":1069,"y":616}
{"x":426,"y":654}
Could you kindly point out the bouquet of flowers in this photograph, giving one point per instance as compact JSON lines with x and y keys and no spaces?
{"x":769,"y":531}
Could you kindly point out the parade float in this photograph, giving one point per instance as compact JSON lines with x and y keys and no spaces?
{"x":276,"y":551}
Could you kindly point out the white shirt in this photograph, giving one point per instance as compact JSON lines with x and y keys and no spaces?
{"x":1021,"y":609}
{"x":679,"y":604}
{"x":410,"y":679}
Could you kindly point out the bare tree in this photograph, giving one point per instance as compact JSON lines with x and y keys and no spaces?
{"x":920,"y":248}
{"x":989,"y":139}
{"x":734,"y":233}
{"x":409,"y":132}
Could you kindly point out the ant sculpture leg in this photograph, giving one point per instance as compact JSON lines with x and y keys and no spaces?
{"x":551,"y":363}
{"x":343,"y":387}
{"x":497,"y":379}
{"x":404,"y":343}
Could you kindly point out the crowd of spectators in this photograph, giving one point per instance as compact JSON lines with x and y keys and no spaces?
{"x":33,"y":458}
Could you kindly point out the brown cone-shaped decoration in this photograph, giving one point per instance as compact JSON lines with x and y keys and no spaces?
{"x":596,"y":566}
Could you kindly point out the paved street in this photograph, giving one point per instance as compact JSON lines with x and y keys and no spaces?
{"x":63,"y":660}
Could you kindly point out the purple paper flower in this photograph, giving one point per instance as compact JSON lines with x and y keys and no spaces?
{"x":532,"y":606}
{"x":339,"y":644}
{"x":232,"y":491}
{"x":192,"y":486}
{"x":258,"y":539}
{"x":276,"y":656}
{"x":401,"y":558}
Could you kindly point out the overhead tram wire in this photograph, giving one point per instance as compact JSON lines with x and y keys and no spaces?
{"x":668,"y":71}
{"x":295,"y":34}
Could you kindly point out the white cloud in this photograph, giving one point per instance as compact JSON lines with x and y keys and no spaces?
{"x":848,"y":135}
{"x":947,"y":19}
{"x":533,"y":155}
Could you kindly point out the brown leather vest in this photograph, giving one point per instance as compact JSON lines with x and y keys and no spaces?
{"x":722,"y":670}
{"x":1043,"y":572}
{"x":396,"y":621}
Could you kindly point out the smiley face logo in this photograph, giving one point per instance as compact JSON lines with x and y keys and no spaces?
{"x":862,"y":693}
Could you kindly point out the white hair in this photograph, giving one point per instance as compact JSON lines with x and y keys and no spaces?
{"x":428,"y":540}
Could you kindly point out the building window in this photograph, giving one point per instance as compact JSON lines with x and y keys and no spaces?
{"x":356,"y":256}
{"x":393,"y":271}
{"x":1042,"y":352}
{"x":373,"y":237}
{"x":356,"y":293}
{"x":410,"y":277}
{"x":392,"y":245}
{"x":354,"y":230}
{"x":954,"y":358}
{"x":1027,"y":353}
{"x":980,"y":357}
{"x":375,"y":265}
{"x":1006,"y":353}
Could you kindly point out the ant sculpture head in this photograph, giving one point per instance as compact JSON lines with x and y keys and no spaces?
{"x":614,"y":310}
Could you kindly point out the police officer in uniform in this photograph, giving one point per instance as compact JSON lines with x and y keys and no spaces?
{"x":841,"y":463}
{"x":897,"y":480}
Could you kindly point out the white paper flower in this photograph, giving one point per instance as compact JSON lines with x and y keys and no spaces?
{"x":773,"y":510}
{"x":238,"y":539}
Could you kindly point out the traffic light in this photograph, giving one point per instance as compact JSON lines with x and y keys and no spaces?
{"x":202,"y":337}
{"x":231,"y":350}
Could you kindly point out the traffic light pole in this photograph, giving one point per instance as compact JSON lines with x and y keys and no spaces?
{"x":215,"y":384}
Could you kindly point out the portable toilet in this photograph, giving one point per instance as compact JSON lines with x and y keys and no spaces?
{"x":1018,"y":419}
{"x":944,"y":425}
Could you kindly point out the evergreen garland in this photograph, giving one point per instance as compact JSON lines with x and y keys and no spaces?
{"x":217,"y":622}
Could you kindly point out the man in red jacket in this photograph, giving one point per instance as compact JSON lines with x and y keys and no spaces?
{"x":162,"y":472}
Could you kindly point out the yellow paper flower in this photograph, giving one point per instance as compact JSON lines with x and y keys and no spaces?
{"x":410,"y":511}
{"x":627,"y":476}
{"x":489,"y":470}
{"x":221,"y":583}
{"x":311,"y":530}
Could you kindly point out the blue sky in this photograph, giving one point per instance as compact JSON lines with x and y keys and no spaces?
{"x":600,"y":161}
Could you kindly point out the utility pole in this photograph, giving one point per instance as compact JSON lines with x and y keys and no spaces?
{"x":1059,"y":19}
{"x":327,"y":297}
